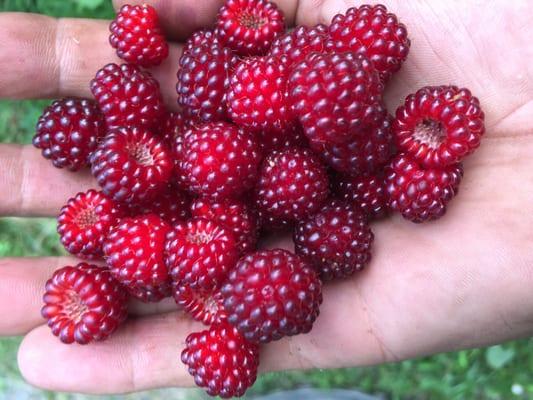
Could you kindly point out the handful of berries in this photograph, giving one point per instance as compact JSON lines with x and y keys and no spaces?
{"x":278,"y":130}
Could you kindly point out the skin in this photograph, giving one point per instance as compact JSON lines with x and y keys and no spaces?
{"x":462,"y":282}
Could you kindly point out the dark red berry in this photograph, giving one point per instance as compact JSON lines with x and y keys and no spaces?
{"x":292,"y":136}
{"x":368,"y":192}
{"x":175,"y":124}
{"x":172,"y":206}
{"x":294,"y":46}
{"x":203,"y":305}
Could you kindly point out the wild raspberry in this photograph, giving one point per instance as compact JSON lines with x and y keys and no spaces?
{"x":85,"y":221}
{"x":200,"y":253}
{"x":132,"y":165}
{"x":83,"y":304}
{"x":172,"y":206}
{"x":174,"y":125}
{"x":292,"y":136}
{"x":271,"y":294}
{"x":203,"y":78}
{"x":137,"y":37}
{"x":221,"y":361}
{"x":134,"y":252}
{"x":218,"y":160}
{"x":292,"y":184}
{"x":367,"y":191}
{"x":439,"y":125}
{"x":421,"y":194}
{"x":201,"y":38}
{"x":205,"y":306}
{"x":257,"y":96}
{"x":374,"y":32}
{"x":335,"y":96}
{"x":234,"y":215}
{"x":249,"y":26}
{"x":127,"y":96}
{"x":336,"y":240}
{"x":294,"y":46}
{"x":68,"y":131}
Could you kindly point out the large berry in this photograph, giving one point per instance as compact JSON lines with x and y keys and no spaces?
{"x":294,"y":46}
{"x":249,"y":26}
{"x":200,"y":253}
{"x":132,"y":165}
{"x":127,"y":96}
{"x":218,"y":160}
{"x":67,"y":132}
{"x":439,"y":125}
{"x":203,"y":305}
{"x":85,"y":221}
{"x":134,"y":253}
{"x":374,"y":32}
{"x":271,"y":294}
{"x":335,"y":96}
{"x":172,"y":206}
{"x":292,"y":184}
{"x":336,"y":240}
{"x":83,"y":303}
{"x":421,"y":194}
{"x":221,"y":360}
{"x":137,"y":37}
{"x":366,"y":191}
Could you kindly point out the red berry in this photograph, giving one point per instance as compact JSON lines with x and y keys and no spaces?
{"x":218,"y":160}
{"x":421,"y":194}
{"x":175,"y":124}
{"x":68,"y":131}
{"x":249,"y":26}
{"x":200,"y":253}
{"x":203,"y":305}
{"x":335,"y":96}
{"x":292,"y":184}
{"x":439,"y":125}
{"x":172,"y":206}
{"x":336,"y":241}
{"x":85,"y":221}
{"x":271,"y":294}
{"x":221,"y":361}
{"x":134,"y":253}
{"x":374,"y":32}
{"x":137,"y":37}
{"x":132,"y":165}
{"x":368,"y":192}
{"x":83,"y":304}
{"x":127,"y":96}
{"x":292,"y":136}
{"x":201,"y":38}
{"x":294,"y":46}
{"x":234,"y":215}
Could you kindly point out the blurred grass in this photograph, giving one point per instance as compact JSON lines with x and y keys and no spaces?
{"x":498,"y":372}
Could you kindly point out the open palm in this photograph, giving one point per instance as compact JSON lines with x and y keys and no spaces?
{"x":463,"y":281}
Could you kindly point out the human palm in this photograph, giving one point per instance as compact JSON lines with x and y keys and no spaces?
{"x":460,"y":282}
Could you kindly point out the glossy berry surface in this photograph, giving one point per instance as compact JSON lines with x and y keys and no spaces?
{"x":205,"y":306}
{"x":174,"y":124}
{"x":367,"y":192}
{"x":172,"y":205}
{"x":294,"y":46}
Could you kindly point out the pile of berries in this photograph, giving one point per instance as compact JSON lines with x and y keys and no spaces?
{"x":278,"y":130}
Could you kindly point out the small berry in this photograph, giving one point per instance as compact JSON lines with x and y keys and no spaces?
{"x":83,"y":304}
{"x":201,"y":38}
{"x":336,"y":241}
{"x":221,"y":361}
{"x":249,"y":26}
{"x":68,"y":131}
{"x":127,"y":96}
{"x":439,"y":125}
{"x":421,"y":194}
{"x":205,"y":306}
{"x":84,"y":223}
{"x":137,"y":37}
{"x":368,"y":192}
{"x":294,"y":46}
{"x":132,"y":165}
{"x":172,"y":206}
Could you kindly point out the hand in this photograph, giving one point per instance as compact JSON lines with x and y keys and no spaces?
{"x":464,"y":281}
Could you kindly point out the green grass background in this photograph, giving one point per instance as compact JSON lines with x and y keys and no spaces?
{"x":498,"y":372}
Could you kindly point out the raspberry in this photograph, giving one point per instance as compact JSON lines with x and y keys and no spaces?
{"x":172,"y":206}
{"x":335,"y":96}
{"x":203,"y":305}
{"x":234,"y":215}
{"x":270,"y":140}
{"x":137,"y":37}
{"x":336,"y":241}
{"x":203,"y":78}
{"x":134,"y":254}
{"x":218,"y":160}
{"x":292,"y":184}
{"x":421,"y":194}
{"x":131,"y":165}
{"x":374,"y":32}
{"x":199,"y":253}
{"x":257,"y":97}
{"x":271,"y":294}
{"x":85,"y":221}
{"x":439,"y":125}
{"x":221,"y":361}
{"x":368,"y":192}
{"x":249,"y":26}
{"x":174,"y":125}
{"x":127,"y":96}
{"x":294,"y":46}
{"x":201,"y":38}
{"x":83,"y":304}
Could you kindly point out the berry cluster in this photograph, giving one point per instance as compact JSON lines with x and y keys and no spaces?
{"x":276,"y":131}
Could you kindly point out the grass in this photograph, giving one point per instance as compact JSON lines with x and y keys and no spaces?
{"x":498,"y":372}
